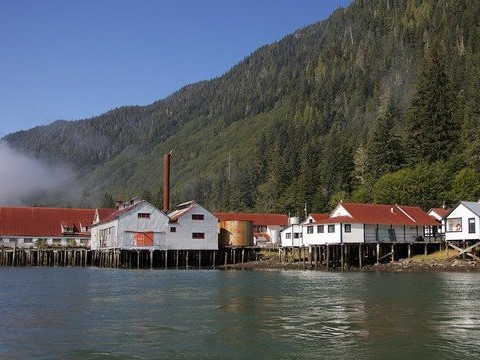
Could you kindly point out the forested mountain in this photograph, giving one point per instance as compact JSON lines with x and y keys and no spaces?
{"x":378,"y":103}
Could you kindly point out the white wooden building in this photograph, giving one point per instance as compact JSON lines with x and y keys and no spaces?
{"x":463,"y":222}
{"x":368,"y":223}
{"x":292,"y":236}
{"x":135,"y":225}
{"x":191,"y":227}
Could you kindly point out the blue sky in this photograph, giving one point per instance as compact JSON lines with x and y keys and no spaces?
{"x":77,"y":59}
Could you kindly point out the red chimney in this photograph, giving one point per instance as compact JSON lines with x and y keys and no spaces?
{"x":166,"y":182}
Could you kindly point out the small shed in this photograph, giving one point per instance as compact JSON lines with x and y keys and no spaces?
{"x":463,"y":222}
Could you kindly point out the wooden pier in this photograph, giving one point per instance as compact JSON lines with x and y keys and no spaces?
{"x":315,"y":257}
{"x":128,"y":259}
{"x":343,"y":256}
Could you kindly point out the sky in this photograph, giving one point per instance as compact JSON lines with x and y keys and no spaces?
{"x":76,"y":59}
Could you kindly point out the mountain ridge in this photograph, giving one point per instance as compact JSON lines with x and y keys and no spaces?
{"x":255,"y":137}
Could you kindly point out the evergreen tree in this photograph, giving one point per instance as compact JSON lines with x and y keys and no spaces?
{"x":384,"y":148}
{"x":431,"y":130}
{"x":336,"y":167}
{"x":471,"y":123}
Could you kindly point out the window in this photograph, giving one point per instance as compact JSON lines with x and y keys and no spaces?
{"x":320,"y":228}
{"x":297,"y":235}
{"x":173,"y":229}
{"x":198,"y":235}
{"x":288,"y":235}
{"x":471,"y":226}
{"x":454,"y":225}
{"x":309,"y":229}
{"x":259,"y":228}
{"x":28,"y":241}
{"x":331,"y":228}
{"x":348,"y":228}
{"x":197,"y":216}
{"x":144,"y":215}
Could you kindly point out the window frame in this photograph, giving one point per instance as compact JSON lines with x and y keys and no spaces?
{"x":454,"y":225}
{"x":471,"y":226}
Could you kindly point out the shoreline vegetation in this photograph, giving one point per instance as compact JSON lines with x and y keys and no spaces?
{"x":439,"y":261}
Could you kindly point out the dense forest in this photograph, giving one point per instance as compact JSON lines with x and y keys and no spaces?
{"x":379,"y":103}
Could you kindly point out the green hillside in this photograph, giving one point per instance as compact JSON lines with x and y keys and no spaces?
{"x":377,"y":103}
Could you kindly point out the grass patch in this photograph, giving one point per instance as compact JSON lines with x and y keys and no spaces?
{"x":436,"y":256}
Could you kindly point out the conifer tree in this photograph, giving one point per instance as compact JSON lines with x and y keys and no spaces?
{"x":471,"y":122}
{"x":431,"y":130}
{"x":384,"y":148}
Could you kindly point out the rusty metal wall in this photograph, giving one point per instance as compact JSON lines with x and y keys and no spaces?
{"x":236,"y":233}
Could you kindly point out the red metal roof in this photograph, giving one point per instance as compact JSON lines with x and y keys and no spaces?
{"x":176,"y":214}
{"x":441,"y":211}
{"x":42,"y":222}
{"x":258,"y":219}
{"x":115,"y":214}
{"x":104,"y":213}
{"x":318,"y":217}
{"x":262,"y":235}
{"x":383,"y":214}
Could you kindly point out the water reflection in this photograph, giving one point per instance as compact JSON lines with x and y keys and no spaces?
{"x":93,"y":313}
{"x":457,"y":321}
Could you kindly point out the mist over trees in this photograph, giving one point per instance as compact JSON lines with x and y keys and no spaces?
{"x":379,"y":103}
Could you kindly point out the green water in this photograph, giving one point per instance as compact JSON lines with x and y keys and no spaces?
{"x":76,"y":313}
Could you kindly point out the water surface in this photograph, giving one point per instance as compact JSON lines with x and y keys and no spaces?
{"x":90,"y":313}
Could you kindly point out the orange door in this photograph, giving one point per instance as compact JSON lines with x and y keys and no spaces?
{"x":144,"y":239}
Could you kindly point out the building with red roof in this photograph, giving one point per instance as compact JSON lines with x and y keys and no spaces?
{"x":439,"y":214}
{"x":25,"y":226}
{"x":192,"y":227}
{"x":135,"y":224}
{"x":138,"y":224}
{"x":367,"y":223}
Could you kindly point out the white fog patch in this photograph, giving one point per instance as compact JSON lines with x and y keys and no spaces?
{"x":26,"y":181}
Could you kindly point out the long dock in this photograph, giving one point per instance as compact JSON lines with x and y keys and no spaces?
{"x":314,"y":257}
{"x":354,"y":255}
{"x":128,"y":259}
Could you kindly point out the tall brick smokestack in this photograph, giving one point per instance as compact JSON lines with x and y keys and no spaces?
{"x":166,"y":182}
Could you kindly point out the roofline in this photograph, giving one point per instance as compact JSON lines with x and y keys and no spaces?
{"x":464,"y":203}
{"x":406,"y":214}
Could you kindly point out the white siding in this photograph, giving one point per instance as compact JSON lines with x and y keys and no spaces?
{"x":314,"y":238}
{"x":332,"y":237}
{"x":356,"y":234}
{"x":120,"y":233}
{"x":292,"y":236}
{"x":463,"y":214}
{"x":340,"y":211}
{"x":185,"y":229}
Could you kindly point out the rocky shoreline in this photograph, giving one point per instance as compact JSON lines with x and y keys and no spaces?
{"x":438,"y":262}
